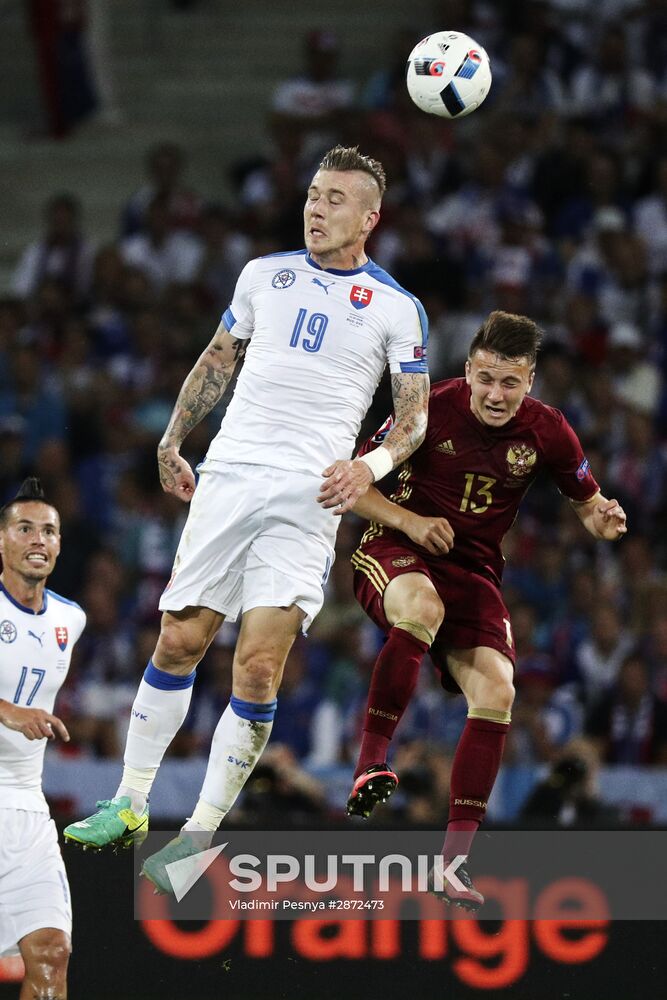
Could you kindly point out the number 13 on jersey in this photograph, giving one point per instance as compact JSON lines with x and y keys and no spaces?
{"x":477,"y":488}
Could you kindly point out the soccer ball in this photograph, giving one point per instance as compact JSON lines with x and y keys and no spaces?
{"x":448,"y":74}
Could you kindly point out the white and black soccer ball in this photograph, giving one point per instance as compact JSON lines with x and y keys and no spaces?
{"x":448,"y":74}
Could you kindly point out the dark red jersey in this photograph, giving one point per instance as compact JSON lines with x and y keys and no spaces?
{"x":476,"y":476}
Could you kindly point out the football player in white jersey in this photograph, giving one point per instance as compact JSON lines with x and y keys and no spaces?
{"x":317,"y":328}
{"x":37,"y":632}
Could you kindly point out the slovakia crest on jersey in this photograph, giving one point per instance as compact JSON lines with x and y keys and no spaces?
{"x":360,"y":297}
{"x":61,"y":637}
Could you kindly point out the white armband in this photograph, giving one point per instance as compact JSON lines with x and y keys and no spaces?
{"x":379,"y":462}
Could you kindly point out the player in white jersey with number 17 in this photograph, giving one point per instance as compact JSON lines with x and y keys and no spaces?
{"x":37,"y":632}
{"x":317,"y":328}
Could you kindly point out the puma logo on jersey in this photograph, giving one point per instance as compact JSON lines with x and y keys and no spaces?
{"x":38,"y":637}
{"x":316,"y":281}
{"x":446,"y":447}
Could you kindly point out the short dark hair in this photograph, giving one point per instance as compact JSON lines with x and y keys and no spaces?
{"x":508,"y":335}
{"x":349,"y":158}
{"x":30,"y":490}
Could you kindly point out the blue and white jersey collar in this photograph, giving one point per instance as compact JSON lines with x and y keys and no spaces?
{"x":22,"y":607}
{"x":333,"y":270}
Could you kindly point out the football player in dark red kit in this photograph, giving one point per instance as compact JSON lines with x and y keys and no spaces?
{"x":429,"y":567}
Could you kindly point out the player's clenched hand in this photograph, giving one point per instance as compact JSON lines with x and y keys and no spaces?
{"x":435,"y":534}
{"x":344,"y":482}
{"x":34,"y":723}
{"x":176,"y":476}
{"x":609,"y":520}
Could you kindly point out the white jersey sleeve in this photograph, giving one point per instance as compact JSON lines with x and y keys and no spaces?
{"x":406,"y":348}
{"x":35,"y":654}
{"x":239,"y":318}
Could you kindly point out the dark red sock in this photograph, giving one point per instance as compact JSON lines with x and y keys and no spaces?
{"x":394,"y":678}
{"x":474,"y":771}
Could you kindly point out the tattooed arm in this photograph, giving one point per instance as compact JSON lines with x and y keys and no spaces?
{"x":346,"y":481}
{"x":410,"y":395}
{"x":202,"y":389}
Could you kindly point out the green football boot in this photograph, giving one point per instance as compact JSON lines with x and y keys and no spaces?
{"x":186,"y":845}
{"x":113,"y":825}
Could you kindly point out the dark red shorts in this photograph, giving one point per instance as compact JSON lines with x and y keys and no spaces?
{"x":475,"y":613}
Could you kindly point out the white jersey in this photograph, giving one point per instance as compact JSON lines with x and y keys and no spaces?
{"x":35,"y":653}
{"x":319,"y":342}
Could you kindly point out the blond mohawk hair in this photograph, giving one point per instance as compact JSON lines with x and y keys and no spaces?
{"x":349,"y":158}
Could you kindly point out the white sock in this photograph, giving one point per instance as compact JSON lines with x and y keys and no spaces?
{"x":136,"y":784}
{"x":161,"y":704}
{"x":206,"y":826}
{"x":238,"y":743}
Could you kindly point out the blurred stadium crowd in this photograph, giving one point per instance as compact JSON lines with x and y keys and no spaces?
{"x":551,"y":200}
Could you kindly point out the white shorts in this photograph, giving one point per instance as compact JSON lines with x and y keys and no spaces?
{"x":34,"y":892}
{"x":255,"y":537}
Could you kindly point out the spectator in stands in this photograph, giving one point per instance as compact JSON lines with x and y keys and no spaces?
{"x":611,"y":88}
{"x":62,"y":252}
{"x":12,"y":465}
{"x":638,"y":470}
{"x":530,"y":86}
{"x":226,"y":250}
{"x":545,"y":717}
{"x":313,"y":103}
{"x":524,"y":271}
{"x":650,"y":220}
{"x":31,"y":397}
{"x":643,"y":585}
{"x":592,"y":203}
{"x":164,"y":254}
{"x":106,"y":316}
{"x":105,"y":681}
{"x":385,"y":85}
{"x":76,"y":530}
{"x":544,"y":580}
{"x":655,"y":649}
{"x":65,"y":76}
{"x":602,"y":420}
{"x":629,"y":725}
{"x":598,"y":659}
{"x":425,"y":776}
{"x":12,"y":317}
{"x":468,"y":217}
{"x":569,"y":795}
{"x":298,"y":704}
{"x":165,"y":167}
{"x":556,"y":382}
{"x":586,"y":331}
{"x":636,"y":379}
